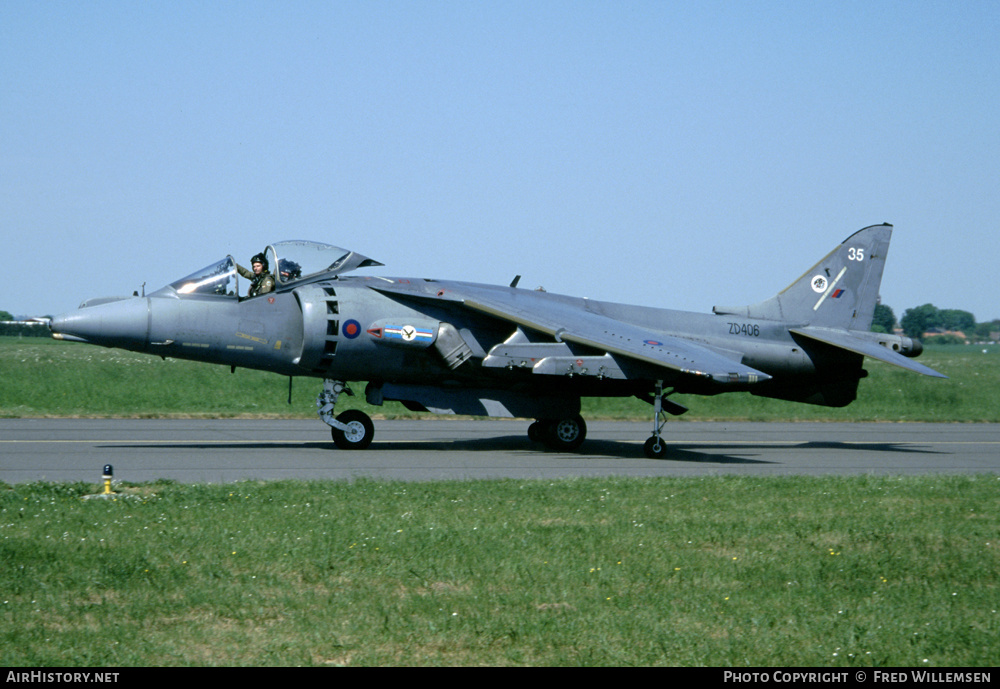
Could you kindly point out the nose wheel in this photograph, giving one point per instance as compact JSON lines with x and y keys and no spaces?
{"x":358,"y":433}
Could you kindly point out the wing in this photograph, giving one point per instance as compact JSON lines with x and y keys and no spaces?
{"x":568,"y":320}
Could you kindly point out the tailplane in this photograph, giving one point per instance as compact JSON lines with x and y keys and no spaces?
{"x":840,"y":291}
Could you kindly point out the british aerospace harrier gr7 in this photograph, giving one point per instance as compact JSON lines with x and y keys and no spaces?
{"x":463,"y":348}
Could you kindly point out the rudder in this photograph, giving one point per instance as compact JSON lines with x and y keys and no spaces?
{"x":840,"y":291}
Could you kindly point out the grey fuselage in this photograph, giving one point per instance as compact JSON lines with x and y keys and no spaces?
{"x":336,"y":328}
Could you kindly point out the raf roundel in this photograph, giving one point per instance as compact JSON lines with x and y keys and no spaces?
{"x":351,"y":329}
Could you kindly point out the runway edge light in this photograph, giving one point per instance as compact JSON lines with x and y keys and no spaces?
{"x":109,"y":472}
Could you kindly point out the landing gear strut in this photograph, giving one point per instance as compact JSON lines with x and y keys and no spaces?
{"x":351,"y":430}
{"x":654,"y":448}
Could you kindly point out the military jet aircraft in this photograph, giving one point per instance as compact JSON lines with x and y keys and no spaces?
{"x":464,"y":348}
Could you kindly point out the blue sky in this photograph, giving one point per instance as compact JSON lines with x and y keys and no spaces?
{"x":670,"y":154}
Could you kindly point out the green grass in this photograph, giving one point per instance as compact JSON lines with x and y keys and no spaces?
{"x":832,"y":572}
{"x":48,"y":378}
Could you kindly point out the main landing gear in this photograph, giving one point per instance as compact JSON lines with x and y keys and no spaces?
{"x":566,"y":435}
{"x":352,"y":429}
{"x":559,"y":435}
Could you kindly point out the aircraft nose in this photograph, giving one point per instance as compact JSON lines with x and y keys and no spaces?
{"x":120,"y":323}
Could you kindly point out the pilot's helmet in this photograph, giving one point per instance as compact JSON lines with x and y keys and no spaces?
{"x":260,"y":258}
{"x":289,"y":270}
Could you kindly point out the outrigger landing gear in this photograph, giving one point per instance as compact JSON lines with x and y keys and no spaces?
{"x":351,"y":430}
{"x":654,"y":446}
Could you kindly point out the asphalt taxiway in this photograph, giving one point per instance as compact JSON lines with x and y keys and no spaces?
{"x":226,"y":450}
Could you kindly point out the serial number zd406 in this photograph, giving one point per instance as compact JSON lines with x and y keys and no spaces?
{"x":745,"y":329}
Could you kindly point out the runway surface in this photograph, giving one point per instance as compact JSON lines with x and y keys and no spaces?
{"x":221,"y":451}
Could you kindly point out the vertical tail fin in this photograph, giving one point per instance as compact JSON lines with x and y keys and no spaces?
{"x":838,"y":292}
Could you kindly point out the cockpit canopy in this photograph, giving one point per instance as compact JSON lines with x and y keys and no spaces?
{"x":290,"y":263}
{"x":299,"y":260}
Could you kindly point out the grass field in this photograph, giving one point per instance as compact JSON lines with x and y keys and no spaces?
{"x":48,"y":378}
{"x":862,"y":571}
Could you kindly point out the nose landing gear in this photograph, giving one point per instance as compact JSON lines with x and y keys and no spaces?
{"x":351,"y":430}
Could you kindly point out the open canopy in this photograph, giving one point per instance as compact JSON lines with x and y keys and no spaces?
{"x":290,"y":262}
{"x":296,"y":261}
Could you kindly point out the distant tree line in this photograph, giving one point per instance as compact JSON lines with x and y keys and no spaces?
{"x":23,"y":330}
{"x":10,"y":327}
{"x":929,"y":319}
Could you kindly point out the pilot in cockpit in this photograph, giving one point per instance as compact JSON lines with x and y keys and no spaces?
{"x":289,"y":270}
{"x":261,"y":281}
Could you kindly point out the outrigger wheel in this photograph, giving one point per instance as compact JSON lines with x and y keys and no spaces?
{"x":655,"y":448}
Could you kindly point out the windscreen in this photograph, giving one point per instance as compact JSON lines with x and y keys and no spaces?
{"x":218,"y":279}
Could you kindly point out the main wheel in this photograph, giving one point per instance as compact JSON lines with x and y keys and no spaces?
{"x":537,"y":431}
{"x":655,"y":448}
{"x":360,"y":431}
{"x":566,"y":435}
